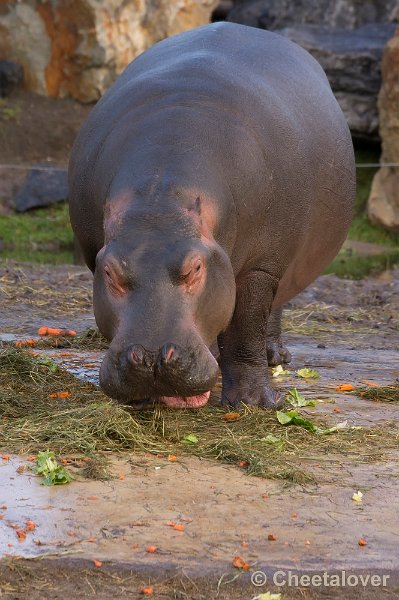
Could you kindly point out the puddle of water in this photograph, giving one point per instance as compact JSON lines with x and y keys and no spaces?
{"x":84,"y":365}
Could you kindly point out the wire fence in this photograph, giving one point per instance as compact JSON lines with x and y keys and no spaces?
{"x":55,"y":168}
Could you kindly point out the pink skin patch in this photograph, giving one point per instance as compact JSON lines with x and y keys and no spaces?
{"x":189,"y":402}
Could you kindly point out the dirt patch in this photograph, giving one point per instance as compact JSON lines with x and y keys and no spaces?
{"x":40,"y":130}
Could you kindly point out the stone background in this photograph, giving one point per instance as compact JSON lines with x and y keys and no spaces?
{"x":78,"y":47}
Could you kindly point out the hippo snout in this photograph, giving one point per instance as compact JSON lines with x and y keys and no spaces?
{"x":138,"y":374}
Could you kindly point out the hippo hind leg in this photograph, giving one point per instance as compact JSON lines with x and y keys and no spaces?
{"x":277,"y":353}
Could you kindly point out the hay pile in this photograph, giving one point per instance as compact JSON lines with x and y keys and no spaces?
{"x":86,"y":423}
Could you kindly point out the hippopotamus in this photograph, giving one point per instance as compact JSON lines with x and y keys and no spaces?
{"x":210,"y":184}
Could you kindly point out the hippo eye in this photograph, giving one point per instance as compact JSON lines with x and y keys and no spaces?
{"x":113,"y":282}
{"x":192,"y":271}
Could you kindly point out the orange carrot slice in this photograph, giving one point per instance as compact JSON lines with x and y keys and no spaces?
{"x":231,"y":416}
{"x":240,"y":563}
{"x":345,"y":387}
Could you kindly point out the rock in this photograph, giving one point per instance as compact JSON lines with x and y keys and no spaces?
{"x":78,"y":47}
{"x":347,"y":14}
{"x":11,"y":74}
{"x":383,"y":203}
{"x":43,"y":185}
{"x":346,"y":36}
{"x":351,"y":60}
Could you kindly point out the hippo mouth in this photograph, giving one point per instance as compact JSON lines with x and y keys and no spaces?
{"x":186,"y":402}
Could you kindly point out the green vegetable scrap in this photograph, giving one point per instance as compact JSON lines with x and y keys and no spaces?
{"x":277,"y":442}
{"x":292,"y":417}
{"x":308,"y":373}
{"x":190,"y":439}
{"x":296,"y":399}
{"x":280,"y":372}
{"x":53,"y":473}
{"x":47,"y":362}
{"x":267,"y":596}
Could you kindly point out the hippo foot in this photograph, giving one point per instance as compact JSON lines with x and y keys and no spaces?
{"x":277,"y":353}
{"x":252,"y":394}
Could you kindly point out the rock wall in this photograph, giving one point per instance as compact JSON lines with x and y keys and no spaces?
{"x":78,"y":47}
{"x":383,"y":204}
{"x":347,"y":37}
{"x":347,"y":14}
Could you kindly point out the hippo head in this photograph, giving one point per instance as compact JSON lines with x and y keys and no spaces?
{"x":163,"y":291}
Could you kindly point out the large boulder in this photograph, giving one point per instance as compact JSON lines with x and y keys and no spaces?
{"x":78,"y":47}
{"x":383,"y":204}
{"x":346,"y":14}
{"x":44,"y":185}
{"x":347,"y":37}
{"x":352,"y":62}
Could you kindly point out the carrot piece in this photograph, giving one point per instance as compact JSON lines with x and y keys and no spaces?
{"x":147,"y":591}
{"x":370,"y":383}
{"x":178,"y":527}
{"x":345,"y":387}
{"x":97,"y":563}
{"x":21,"y":534}
{"x":21,"y":343}
{"x":60,"y":395}
{"x":231,"y":416}
{"x":172,"y":458}
{"x":362,"y":542}
{"x":56,"y":331}
{"x":271,"y":537}
{"x":240,"y":563}
{"x":151,"y":549}
{"x":30,"y":525}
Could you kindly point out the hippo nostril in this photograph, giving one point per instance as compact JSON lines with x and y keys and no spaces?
{"x":169,"y":353}
{"x":136,"y":355}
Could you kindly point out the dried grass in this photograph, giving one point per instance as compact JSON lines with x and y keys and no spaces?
{"x":88,"y":423}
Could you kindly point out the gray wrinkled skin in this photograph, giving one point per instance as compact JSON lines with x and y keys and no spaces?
{"x":211,"y":184}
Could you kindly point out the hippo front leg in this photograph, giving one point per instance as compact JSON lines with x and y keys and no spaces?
{"x":243,"y":347}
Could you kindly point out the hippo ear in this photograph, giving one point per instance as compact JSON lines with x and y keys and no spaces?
{"x":195,"y":208}
{"x":197,"y":205}
{"x":114,"y":211}
{"x":203,"y":213}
